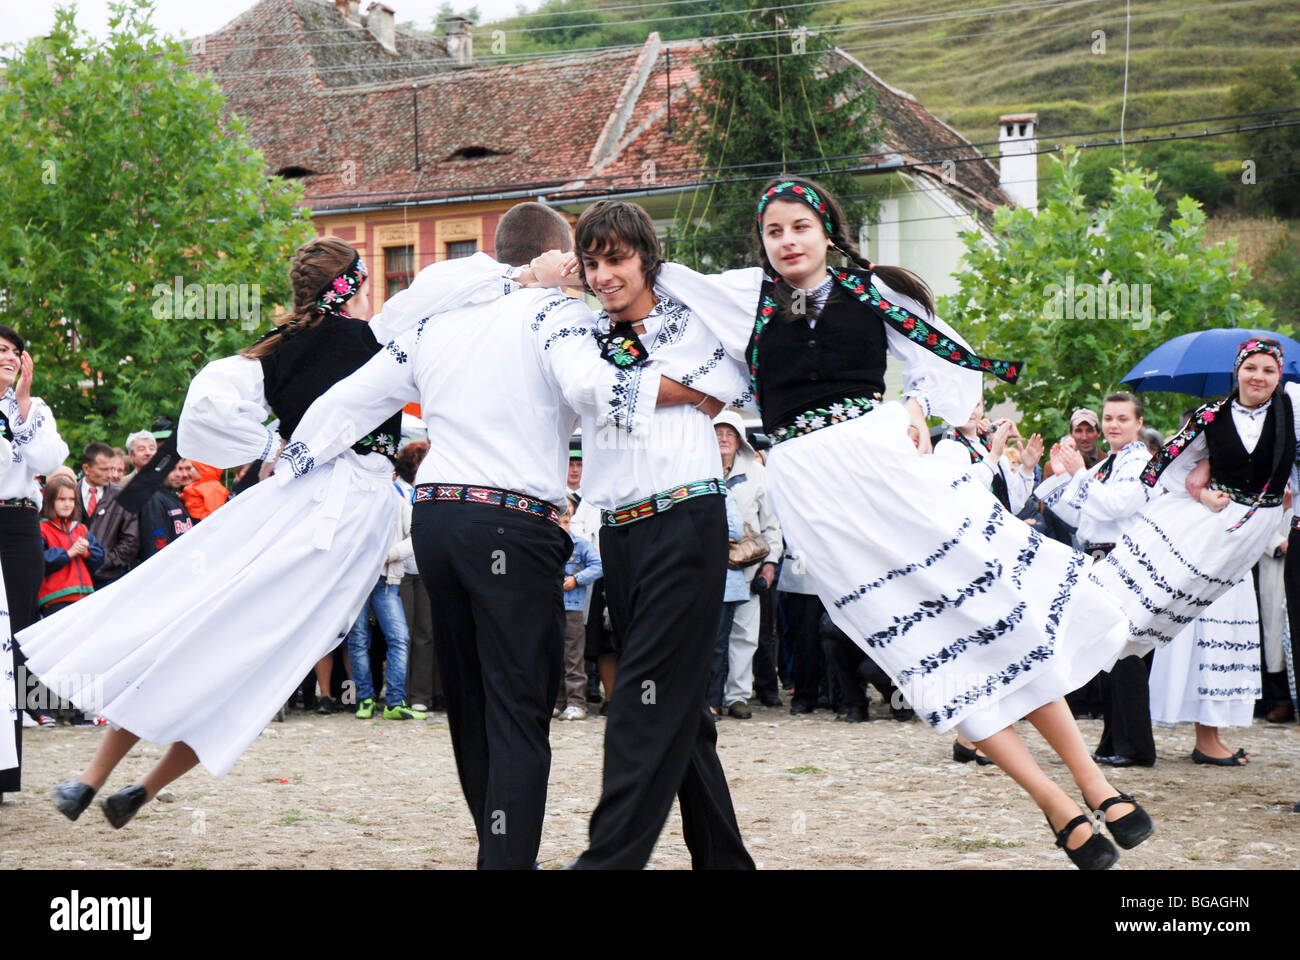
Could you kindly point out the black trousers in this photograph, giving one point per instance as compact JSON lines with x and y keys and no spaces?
{"x":22,"y":563}
{"x":664,"y":579}
{"x":805,"y":612}
{"x":1126,"y":700}
{"x":494,"y":581}
{"x":765,"y":678}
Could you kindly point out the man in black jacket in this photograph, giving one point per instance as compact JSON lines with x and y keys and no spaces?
{"x":163,"y":517}
{"x":117,"y":529}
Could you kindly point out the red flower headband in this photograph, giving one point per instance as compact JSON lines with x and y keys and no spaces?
{"x":1252,"y":347}
{"x":341,"y":289}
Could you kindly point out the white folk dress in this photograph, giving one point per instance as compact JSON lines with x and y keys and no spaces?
{"x":975,"y":616}
{"x":206,"y":640}
{"x":1209,"y":673}
{"x":1180,"y":556}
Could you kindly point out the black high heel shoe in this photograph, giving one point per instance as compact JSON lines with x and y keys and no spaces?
{"x":965,"y":755}
{"x":123,"y":805}
{"x":1130,"y":829}
{"x":1097,"y":854}
{"x":72,"y":797}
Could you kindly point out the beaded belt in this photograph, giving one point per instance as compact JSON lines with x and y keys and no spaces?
{"x":631,"y":512}
{"x":847,"y":409}
{"x":1252,"y":500}
{"x":508,"y":499}
{"x":20,"y":502}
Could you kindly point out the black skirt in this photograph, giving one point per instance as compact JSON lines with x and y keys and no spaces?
{"x":22,"y":562}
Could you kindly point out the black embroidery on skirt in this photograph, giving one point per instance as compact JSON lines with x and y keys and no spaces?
{"x":1026,"y":557}
{"x":1176,"y":555}
{"x":1158,"y":581}
{"x":1218,"y":693}
{"x":1233,"y":645}
{"x":930,"y":609}
{"x":982,"y":637}
{"x":903,"y":571}
{"x":996,"y":519}
{"x":1150,"y":606}
{"x":1229,"y":667}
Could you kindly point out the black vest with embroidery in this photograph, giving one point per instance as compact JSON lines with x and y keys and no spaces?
{"x":309,"y":362}
{"x":1231,"y":464}
{"x":805,"y":367}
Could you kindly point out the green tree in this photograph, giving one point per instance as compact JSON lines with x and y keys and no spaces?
{"x":119,"y":174}
{"x":766,"y":97}
{"x":1082,"y":293}
{"x":1274,"y":152}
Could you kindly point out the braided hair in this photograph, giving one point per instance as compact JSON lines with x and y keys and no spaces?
{"x":315,"y":264}
{"x":897,"y":278}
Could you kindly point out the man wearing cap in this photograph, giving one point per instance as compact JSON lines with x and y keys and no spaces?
{"x":1085,"y":428}
{"x":743,"y":475}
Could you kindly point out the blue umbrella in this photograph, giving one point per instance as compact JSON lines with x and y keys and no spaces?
{"x":1200,"y":364}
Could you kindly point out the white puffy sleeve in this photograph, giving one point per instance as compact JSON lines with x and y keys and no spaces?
{"x":943,"y":389}
{"x":1120,"y":496}
{"x":726,"y":302}
{"x":223,"y":422}
{"x":37,"y":439}
{"x":621,"y":398}
{"x":440,"y":287}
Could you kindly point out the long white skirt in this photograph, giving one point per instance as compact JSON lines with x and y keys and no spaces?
{"x":206,"y":640}
{"x":1176,"y":558}
{"x":977,"y":618}
{"x":1209,"y":674}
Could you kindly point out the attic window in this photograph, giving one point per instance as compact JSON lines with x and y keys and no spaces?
{"x":475,"y":151}
{"x":294,"y":173}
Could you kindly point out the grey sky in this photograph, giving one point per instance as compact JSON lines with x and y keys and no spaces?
{"x":24,"y":19}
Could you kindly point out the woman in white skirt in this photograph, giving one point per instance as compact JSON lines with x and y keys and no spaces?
{"x":1189,"y":547}
{"x":1210,"y":675}
{"x":203,"y":642}
{"x":976,"y":617}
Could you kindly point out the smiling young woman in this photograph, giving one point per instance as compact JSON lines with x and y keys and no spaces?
{"x":978,"y":619}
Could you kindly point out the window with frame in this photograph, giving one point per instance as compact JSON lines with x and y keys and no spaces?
{"x":399,"y":269}
{"x":462,"y":248}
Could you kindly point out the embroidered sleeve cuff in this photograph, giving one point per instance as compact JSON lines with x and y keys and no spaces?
{"x":923,"y":400}
{"x":510,"y":280}
{"x":272,"y":445}
{"x":25,"y":430}
{"x":299,"y":458}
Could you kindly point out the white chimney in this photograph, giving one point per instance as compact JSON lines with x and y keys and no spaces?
{"x":460,"y":40}
{"x":1018,"y":167}
{"x":379,"y":21}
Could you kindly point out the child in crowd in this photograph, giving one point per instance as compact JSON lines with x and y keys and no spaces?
{"x":583,"y":567}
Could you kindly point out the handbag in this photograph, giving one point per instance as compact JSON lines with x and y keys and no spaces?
{"x":747,"y":551}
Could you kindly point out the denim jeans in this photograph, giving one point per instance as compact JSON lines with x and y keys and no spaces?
{"x":386,"y":602}
{"x":721,"y":658}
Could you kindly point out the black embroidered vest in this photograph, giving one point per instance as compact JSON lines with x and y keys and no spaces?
{"x":805,"y":367}
{"x":1231,"y":464}
{"x":309,"y":362}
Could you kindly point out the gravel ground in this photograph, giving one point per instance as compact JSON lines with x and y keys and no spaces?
{"x":337,"y":792}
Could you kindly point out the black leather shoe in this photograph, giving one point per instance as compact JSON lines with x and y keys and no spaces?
{"x":770,"y":698}
{"x":1097,"y":854}
{"x":854,"y":714}
{"x":72,"y":797}
{"x":966,"y":755}
{"x":1115,"y":760}
{"x":1130,"y":829}
{"x":1236,"y":760}
{"x":123,"y":805}
{"x":799,"y":706}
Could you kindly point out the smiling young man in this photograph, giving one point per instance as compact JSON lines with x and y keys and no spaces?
{"x":1102,"y":502}
{"x":663,"y":543}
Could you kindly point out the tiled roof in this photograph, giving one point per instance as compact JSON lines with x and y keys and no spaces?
{"x":321,"y":95}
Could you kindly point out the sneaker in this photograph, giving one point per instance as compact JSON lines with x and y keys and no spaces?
{"x":740,"y":710}
{"x":420,"y":708}
{"x":28,"y":721}
{"x":366,"y":709}
{"x":326,"y":705}
{"x":45,"y":720}
{"x":573,"y":713}
{"x":402,"y":712}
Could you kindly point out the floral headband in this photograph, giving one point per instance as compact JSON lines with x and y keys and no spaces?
{"x":1252,"y":347}
{"x":789,"y":190}
{"x":341,"y":289}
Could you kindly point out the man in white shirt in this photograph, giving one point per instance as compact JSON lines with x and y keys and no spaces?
{"x":663,"y":545}
{"x":498,"y":385}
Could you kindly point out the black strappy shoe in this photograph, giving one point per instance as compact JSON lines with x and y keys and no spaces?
{"x":963,"y":754}
{"x":1097,"y":854}
{"x":1130,"y":829}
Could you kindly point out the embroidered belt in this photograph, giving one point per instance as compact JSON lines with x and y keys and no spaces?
{"x":1098,"y":550}
{"x":508,"y":499}
{"x":1252,"y":500}
{"x":849,"y":408}
{"x":20,"y":502}
{"x":631,"y":512}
